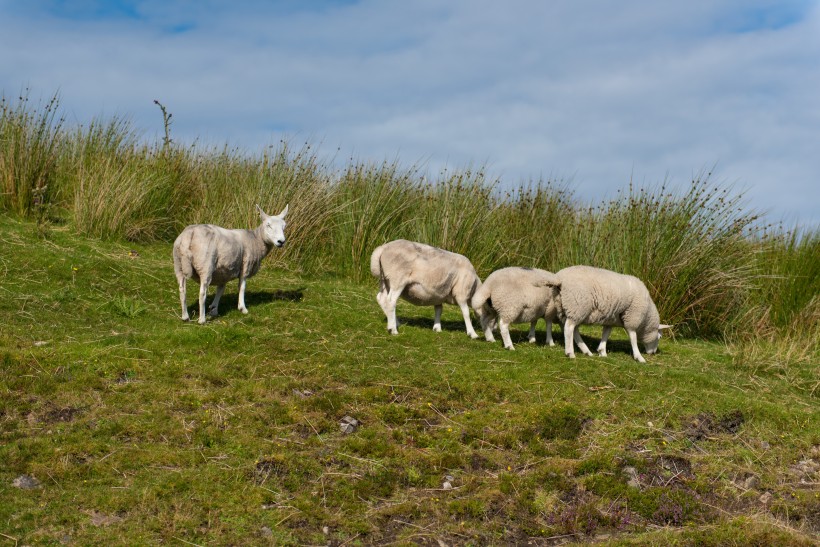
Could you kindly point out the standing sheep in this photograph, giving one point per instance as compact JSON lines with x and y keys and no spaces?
{"x":424,"y":276}
{"x":594,"y":296}
{"x":516,"y":295}
{"x":212,"y":254}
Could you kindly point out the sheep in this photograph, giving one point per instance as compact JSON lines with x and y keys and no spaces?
{"x":516,"y":295}
{"x":424,"y":276}
{"x":594,"y":296}
{"x":212,"y":254}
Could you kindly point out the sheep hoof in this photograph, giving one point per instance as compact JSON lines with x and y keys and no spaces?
{"x":531,"y":340}
{"x":436,"y":328}
{"x":640,"y":359}
{"x":244,"y":310}
{"x":201,"y":320}
{"x":571,"y":355}
{"x":602,"y":353}
{"x":213,"y":312}
{"x":186,"y":318}
{"x":393,"y":331}
{"x":551,"y":344}
{"x":489,"y":338}
{"x":511,"y":348}
{"x":472,"y":335}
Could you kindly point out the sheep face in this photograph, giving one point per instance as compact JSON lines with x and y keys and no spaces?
{"x":273,"y":227}
{"x":651,"y":339}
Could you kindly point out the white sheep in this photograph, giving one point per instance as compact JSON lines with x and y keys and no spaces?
{"x":212,"y":254}
{"x":424,"y":276}
{"x":516,"y":295}
{"x":594,"y":296}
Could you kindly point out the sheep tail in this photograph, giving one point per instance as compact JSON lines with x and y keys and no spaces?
{"x":480,"y":297}
{"x":550,"y":280}
{"x":376,"y":263}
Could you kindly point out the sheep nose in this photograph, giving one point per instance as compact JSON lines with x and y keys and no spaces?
{"x":280,"y":242}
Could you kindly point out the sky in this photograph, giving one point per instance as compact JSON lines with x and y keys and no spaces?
{"x":592,"y":93}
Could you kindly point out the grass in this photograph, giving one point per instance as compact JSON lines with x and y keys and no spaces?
{"x":142,"y":429}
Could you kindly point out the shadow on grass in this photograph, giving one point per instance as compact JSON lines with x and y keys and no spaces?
{"x":427,"y":324}
{"x":229,"y":301}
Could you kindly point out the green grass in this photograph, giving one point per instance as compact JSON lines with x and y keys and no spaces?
{"x":143,"y":429}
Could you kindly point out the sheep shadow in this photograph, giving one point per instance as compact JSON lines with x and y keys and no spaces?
{"x":427,"y":323}
{"x":229,"y":301}
{"x":612,"y":346}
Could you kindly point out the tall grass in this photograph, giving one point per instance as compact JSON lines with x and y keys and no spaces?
{"x":29,"y":137}
{"x":699,"y":251}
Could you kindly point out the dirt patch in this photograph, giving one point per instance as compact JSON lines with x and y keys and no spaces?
{"x":706,"y":425}
{"x":101,"y":519}
{"x":479,"y":462}
{"x":263,"y":469}
{"x":661,"y":471}
{"x":807,"y":471}
{"x":66,"y":414}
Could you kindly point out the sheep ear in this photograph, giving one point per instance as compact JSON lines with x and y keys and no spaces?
{"x":283,"y":213}
{"x":262,"y":214}
{"x":661,"y":327}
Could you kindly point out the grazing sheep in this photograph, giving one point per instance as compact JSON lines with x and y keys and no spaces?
{"x":516,"y":295}
{"x":424,"y":276}
{"x":212,"y":254}
{"x":594,"y":296}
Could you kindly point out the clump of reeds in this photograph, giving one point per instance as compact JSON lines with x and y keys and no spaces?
{"x":29,"y":140}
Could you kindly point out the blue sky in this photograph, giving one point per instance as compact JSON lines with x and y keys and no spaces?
{"x":592,"y":92}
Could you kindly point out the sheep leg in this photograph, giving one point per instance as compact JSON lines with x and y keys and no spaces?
{"x":604,"y":337}
{"x":531,"y":337}
{"x":468,"y":322}
{"x":381,"y":296}
{"x":213,"y":309}
{"x":504,"y":327}
{"x":633,"y":339}
{"x":487,"y":324}
{"x":569,"y":330}
{"x":437,"y":319}
{"x":549,"y":341}
{"x":182,"y":283}
{"x":203,"y":292}
{"x":581,"y":344}
{"x":242,"y":282}
{"x":571,"y":334}
{"x":390,"y":302}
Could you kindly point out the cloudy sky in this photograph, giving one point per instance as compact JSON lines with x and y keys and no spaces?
{"x":592,"y":92}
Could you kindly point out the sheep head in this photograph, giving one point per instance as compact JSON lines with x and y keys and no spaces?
{"x":273,"y":227}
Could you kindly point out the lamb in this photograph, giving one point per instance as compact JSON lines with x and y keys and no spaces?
{"x":594,"y":296}
{"x":212,"y":254}
{"x":424,"y":276}
{"x":516,"y":295}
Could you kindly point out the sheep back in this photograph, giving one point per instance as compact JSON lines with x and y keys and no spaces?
{"x":429,"y":275}
{"x":602,"y":297}
{"x":518,"y":295}
{"x":210,"y":250}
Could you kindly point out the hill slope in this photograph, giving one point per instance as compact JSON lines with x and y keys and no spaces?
{"x":136,"y":428}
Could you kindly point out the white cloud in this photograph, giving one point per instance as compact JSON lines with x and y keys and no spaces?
{"x":592,"y":90}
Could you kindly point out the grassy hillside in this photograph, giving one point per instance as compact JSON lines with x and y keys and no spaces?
{"x":141,"y":429}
